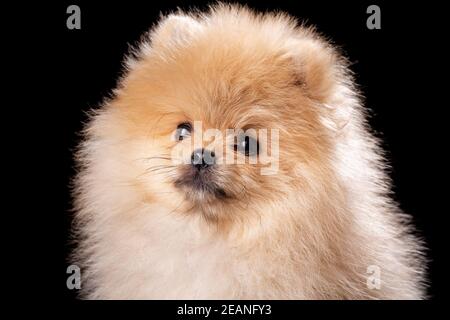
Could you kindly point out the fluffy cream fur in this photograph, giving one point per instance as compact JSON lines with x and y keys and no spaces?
{"x":311,"y":231}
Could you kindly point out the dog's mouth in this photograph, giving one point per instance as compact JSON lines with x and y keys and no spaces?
{"x":200,"y":186}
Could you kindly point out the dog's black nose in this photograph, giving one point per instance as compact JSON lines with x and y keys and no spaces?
{"x":202,"y":158}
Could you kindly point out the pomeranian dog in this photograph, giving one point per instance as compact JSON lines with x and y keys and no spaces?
{"x":235,"y":162}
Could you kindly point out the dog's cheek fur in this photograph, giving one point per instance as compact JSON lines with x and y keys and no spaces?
{"x":310,"y":231}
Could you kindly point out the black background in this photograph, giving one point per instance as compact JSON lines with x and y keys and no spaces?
{"x":395,"y":68}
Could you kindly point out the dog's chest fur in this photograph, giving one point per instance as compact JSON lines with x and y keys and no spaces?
{"x":170,"y":257}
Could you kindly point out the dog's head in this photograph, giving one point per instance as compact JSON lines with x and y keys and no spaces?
{"x":224,"y":113}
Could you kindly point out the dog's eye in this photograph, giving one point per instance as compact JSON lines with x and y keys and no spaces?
{"x":183,"y":130}
{"x":247,"y":145}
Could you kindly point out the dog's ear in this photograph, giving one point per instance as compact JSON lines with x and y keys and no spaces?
{"x":175,"y":29}
{"x":316,"y":66}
